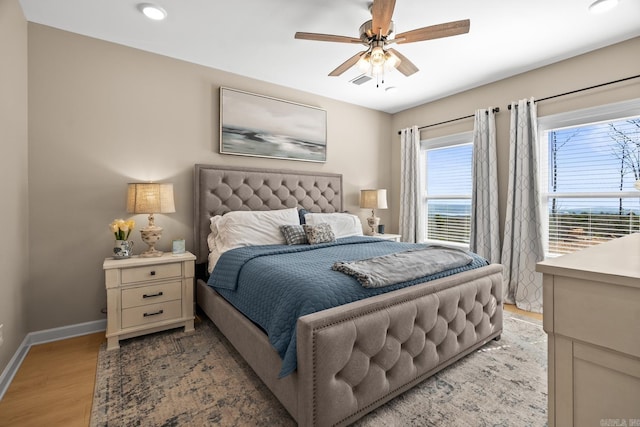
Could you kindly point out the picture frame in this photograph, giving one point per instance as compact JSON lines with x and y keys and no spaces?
{"x":261,"y":126}
{"x":178,"y":247}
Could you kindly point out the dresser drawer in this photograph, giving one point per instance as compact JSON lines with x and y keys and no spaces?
{"x":151,"y":294}
{"x":151,"y":313}
{"x":599,"y":313}
{"x":151,"y":272}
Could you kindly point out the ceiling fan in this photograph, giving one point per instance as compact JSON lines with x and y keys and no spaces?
{"x":377,"y":34}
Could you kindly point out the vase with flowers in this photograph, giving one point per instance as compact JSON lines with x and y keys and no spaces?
{"x":123,"y":248}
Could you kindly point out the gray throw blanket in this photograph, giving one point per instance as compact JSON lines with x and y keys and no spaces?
{"x":403,"y":266}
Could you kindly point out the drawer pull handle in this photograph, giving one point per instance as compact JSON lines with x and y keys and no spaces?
{"x":159,"y":294}
{"x":153,"y":272}
{"x":153,"y":314}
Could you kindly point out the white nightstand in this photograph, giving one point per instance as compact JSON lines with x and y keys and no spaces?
{"x":394,"y":237}
{"x":146,"y":295}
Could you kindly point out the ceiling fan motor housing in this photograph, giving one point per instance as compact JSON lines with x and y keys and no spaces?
{"x":367,"y":32}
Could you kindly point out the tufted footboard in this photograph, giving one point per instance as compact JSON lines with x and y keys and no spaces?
{"x":354,"y":358}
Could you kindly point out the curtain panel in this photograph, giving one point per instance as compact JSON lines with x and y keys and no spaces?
{"x":522,"y":243}
{"x":411,"y":216}
{"x":485,"y":225}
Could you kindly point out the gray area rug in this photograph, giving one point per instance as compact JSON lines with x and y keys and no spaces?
{"x":173,"y":379}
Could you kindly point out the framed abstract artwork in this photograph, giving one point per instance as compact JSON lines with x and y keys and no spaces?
{"x":262,"y":126}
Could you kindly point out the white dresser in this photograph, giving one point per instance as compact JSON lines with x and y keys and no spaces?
{"x":591,"y":302}
{"x":147,"y":295}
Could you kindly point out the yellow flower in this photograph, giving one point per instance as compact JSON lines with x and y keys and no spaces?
{"x":121,"y":228}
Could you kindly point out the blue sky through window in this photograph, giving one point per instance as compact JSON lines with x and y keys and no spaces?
{"x":589,"y":158}
{"x":448,"y":175}
{"x":449,"y":170}
{"x":596,"y":158}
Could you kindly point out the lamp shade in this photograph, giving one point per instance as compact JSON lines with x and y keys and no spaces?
{"x":373,"y":199}
{"x":149,"y":198}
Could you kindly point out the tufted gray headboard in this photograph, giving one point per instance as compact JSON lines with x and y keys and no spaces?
{"x":221,"y":189}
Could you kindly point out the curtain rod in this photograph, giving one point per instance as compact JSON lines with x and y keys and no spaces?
{"x":583,"y":89}
{"x":495,"y":110}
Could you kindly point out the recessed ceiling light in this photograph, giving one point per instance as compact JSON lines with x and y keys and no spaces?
{"x":391,"y":89}
{"x":152,"y":11}
{"x":600,"y":6}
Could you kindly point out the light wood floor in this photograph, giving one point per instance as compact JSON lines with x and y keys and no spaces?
{"x":514,"y":309}
{"x":54,"y":386}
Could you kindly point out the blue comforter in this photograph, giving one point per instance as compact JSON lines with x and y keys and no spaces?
{"x":274,"y":285}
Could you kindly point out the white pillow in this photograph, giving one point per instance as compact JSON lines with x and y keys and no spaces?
{"x":213,"y":249}
{"x":213,"y":239}
{"x":214,"y":256}
{"x":248,"y":228}
{"x":342,"y":224}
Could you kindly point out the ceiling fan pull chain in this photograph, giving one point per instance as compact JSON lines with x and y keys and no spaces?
{"x":380,"y":77}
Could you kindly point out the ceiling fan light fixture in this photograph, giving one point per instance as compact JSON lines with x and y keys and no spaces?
{"x":152,"y":11}
{"x":364,"y":64}
{"x":377,"y":61}
{"x":377,"y":57}
{"x":601,"y":6}
{"x":391,"y":60}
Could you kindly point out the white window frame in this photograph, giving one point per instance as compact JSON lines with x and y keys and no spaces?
{"x":433,"y":143}
{"x":583,"y":117}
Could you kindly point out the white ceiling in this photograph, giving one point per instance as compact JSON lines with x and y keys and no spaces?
{"x":254,"y":38}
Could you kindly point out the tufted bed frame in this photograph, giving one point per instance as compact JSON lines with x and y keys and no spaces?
{"x":356,"y":357}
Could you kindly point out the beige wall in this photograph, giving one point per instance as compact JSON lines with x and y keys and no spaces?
{"x":102,"y":115}
{"x":13,"y":179}
{"x":611,"y":63}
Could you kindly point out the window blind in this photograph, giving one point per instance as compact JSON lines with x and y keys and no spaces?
{"x":448,"y":192}
{"x":589,"y":193}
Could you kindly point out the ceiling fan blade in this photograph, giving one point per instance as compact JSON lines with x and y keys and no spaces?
{"x":327,"y":38}
{"x":347,"y":64}
{"x":382,"y":12}
{"x":434,"y":32}
{"x":405,"y":66}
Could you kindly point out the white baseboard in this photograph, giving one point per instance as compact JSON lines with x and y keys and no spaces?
{"x":41,"y":337}
{"x":13,"y":366}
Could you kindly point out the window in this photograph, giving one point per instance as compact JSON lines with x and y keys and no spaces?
{"x":588,"y":171}
{"x":447,"y":191}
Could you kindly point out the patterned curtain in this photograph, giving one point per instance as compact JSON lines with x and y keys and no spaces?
{"x":411,"y":220}
{"x":522,"y":244}
{"x":485,"y":225}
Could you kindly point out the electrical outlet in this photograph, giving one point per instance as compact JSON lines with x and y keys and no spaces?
{"x":1,"y":337}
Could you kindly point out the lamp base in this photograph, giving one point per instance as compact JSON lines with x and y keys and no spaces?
{"x":150,"y":235}
{"x":373,"y":222}
{"x":151,"y":253}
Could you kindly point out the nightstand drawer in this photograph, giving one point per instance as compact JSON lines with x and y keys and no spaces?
{"x":151,"y":272}
{"x":152,"y":294}
{"x":151,"y":313}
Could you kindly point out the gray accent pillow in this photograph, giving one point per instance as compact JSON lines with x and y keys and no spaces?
{"x":294,"y":234}
{"x":301,"y":213}
{"x":319,"y":233}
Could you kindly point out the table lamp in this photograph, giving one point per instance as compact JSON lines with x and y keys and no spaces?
{"x":373,"y":199}
{"x":150,"y":198}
